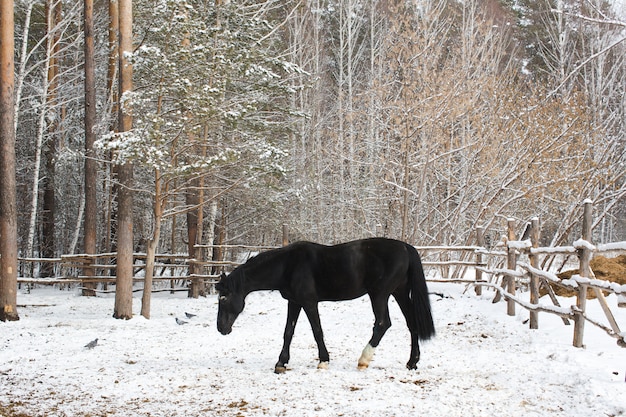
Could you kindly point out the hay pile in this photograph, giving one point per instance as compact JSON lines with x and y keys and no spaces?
{"x":607,"y":269}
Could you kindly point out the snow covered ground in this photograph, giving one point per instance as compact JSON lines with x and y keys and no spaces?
{"x":482,"y":362}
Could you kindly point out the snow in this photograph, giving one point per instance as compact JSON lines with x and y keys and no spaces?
{"x":519,"y":244}
{"x":612,"y":246}
{"x":481,"y":363}
{"x":554,"y":249}
{"x":583,"y":244}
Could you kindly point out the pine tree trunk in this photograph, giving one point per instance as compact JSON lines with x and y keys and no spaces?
{"x":8,"y":212}
{"x":47,"y":246}
{"x":124,"y":275}
{"x":110,"y":216}
{"x":91,"y":209}
{"x":47,"y":243}
{"x":124,"y":278}
{"x":192,"y":201}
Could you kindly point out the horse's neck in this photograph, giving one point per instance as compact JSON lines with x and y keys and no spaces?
{"x":263,"y":278}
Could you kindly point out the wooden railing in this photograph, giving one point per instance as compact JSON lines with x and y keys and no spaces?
{"x":512,"y":265}
{"x":529,"y":273}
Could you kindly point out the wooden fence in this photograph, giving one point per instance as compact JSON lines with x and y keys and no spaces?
{"x":512,"y":265}
{"x":516,"y":271}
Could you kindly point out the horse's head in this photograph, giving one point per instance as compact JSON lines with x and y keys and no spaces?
{"x":231,"y":303}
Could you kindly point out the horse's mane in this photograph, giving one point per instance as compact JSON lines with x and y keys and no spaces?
{"x":264,"y":266}
{"x":263,"y":257}
{"x":234,"y":281}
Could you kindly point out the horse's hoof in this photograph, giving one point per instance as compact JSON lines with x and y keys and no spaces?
{"x":322,"y":365}
{"x":366,"y":356}
{"x":362,"y":366}
{"x":411,"y":366}
{"x":280,"y":369}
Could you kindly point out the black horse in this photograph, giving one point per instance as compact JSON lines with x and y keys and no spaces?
{"x":306,"y":273}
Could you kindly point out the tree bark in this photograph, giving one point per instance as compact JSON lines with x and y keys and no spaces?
{"x":110,"y":216}
{"x":19,"y":85}
{"x":8,"y":212}
{"x":153,"y":242}
{"x":192,"y":201}
{"x":124,"y":276}
{"x":47,"y":245}
{"x":124,"y":270}
{"x":112,"y":68}
{"x":91,"y":209}
{"x":34,"y":206}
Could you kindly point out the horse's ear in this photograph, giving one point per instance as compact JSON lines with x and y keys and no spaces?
{"x":219,"y":285}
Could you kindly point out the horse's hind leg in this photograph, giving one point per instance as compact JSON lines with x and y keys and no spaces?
{"x":293,"y":312}
{"x":407,"y":310}
{"x":382,"y":322}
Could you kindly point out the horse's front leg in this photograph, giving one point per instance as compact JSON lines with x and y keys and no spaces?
{"x":293,"y":312}
{"x":314,"y":318}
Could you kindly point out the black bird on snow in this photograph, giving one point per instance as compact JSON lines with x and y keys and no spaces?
{"x":92,"y":344}
{"x":179,"y":321}
{"x":189,"y":315}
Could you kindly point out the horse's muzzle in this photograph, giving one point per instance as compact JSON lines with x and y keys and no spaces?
{"x":224,"y":330}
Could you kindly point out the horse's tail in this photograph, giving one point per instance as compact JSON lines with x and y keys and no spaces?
{"x":419,"y":296}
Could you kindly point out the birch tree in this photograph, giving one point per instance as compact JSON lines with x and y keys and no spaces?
{"x":44,"y":98}
{"x":582,"y":53}
{"x":34,"y":209}
{"x":49,"y":82}
{"x":309,"y":150}
{"x":21,"y":72}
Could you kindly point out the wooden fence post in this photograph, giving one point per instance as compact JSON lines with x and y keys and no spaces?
{"x":88,"y":271}
{"x":584,"y":254}
{"x":511,"y":263}
{"x":534,"y":279}
{"x":480,"y":241}
{"x":285,"y":235}
{"x":444,"y":257}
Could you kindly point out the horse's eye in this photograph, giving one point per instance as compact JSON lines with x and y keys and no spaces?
{"x":223,"y":298}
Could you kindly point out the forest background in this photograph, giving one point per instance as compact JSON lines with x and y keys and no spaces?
{"x":344,"y":119}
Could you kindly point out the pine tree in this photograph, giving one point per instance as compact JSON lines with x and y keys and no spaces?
{"x":212,"y":96}
{"x":8,"y":212}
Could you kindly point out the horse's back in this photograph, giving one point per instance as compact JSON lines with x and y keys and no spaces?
{"x":350,"y":270}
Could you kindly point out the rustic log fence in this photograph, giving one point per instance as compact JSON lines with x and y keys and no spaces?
{"x":518,"y":272}
{"x":511,"y":265}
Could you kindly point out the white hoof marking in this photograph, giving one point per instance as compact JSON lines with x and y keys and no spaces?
{"x":322,"y":365}
{"x":366,"y":356}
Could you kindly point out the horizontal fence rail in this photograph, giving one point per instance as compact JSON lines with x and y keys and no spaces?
{"x":512,"y":265}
